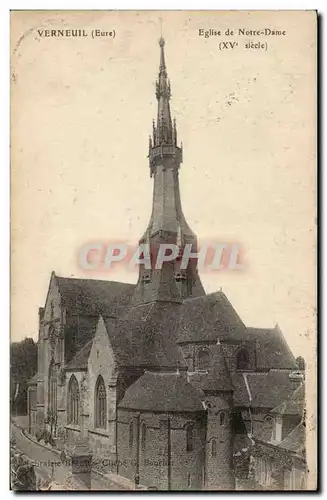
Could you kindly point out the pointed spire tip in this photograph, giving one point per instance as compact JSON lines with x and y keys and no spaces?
{"x":161,"y":41}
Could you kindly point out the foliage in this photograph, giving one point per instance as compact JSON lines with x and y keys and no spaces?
{"x":52,"y":421}
{"x":22,"y":472}
{"x":23,"y":365}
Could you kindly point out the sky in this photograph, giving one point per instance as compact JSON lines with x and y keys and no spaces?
{"x":81,"y":114}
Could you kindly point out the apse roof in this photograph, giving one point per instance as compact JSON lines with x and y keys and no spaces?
{"x":162,"y":392}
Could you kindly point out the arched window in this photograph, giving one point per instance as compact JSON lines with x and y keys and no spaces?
{"x":143,"y":436}
{"x":100,"y":404}
{"x":242,"y":360}
{"x":213,"y":448}
{"x":52,"y":389}
{"x":189,"y":437}
{"x":131,"y":434}
{"x":73,"y":401}
{"x":203,"y":359}
{"x":222,"y":418}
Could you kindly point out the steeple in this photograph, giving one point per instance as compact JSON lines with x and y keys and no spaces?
{"x":167,"y":223}
{"x":163,"y":143}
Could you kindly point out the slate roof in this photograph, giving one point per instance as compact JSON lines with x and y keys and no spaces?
{"x":33,"y":380}
{"x":294,"y":405}
{"x":241,"y":444}
{"x":218,"y":378}
{"x":162,"y":392}
{"x":295,"y":441}
{"x":79,"y":361}
{"x":272,"y":350}
{"x":150,"y":332}
{"x":93,"y":297}
{"x":208,"y":317}
{"x":261,"y":389}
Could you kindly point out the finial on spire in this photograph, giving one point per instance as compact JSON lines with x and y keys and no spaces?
{"x":164,"y":131}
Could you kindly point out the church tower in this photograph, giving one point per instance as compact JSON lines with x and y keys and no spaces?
{"x":167,"y":223}
{"x":218,"y":390}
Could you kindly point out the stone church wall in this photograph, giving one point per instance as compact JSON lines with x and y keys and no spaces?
{"x":219,"y":445}
{"x":151,"y":461}
{"x":102,"y":363}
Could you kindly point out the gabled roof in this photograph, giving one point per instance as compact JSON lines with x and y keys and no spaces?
{"x":293,"y":405}
{"x":162,"y":392}
{"x":261,"y":389}
{"x":272,"y":351}
{"x":295,"y":441}
{"x":87,"y":296}
{"x":33,"y":380}
{"x":143,"y":337}
{"x":79,"y":361}
{"x":208,"y":317}
{"x":150,"y":330}
{"x":118,"y":341}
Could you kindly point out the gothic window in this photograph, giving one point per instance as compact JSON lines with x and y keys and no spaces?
{"x":242,"y":360}
{"x":213,"y":448}
{"x":73,"y":401}
{"x":190,"y":437}
{"x":100,"y":404}
{"x":131,"y":435}
{"x":52,"y":389}
{"x":143,"y":436}
{"x":222,"y":418}
{"x":203,"y":359}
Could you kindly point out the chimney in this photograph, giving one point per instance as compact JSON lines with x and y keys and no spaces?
{"x":296,"y":378}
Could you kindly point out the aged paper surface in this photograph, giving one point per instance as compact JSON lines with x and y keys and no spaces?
{"x":192,"y":379}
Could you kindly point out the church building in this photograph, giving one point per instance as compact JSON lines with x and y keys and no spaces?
{"x":162,"y":381}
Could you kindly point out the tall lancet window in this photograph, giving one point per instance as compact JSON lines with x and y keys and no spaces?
{"x":73,"y":401}
{"x":52,"y":389}
{"x":190,"y":437}
{"x":100,"y":404}
{"x":143,"y":436}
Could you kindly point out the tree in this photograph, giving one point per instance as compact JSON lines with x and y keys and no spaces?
{"x":23,"y":365}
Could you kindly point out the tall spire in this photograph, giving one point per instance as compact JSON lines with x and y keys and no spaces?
{"x":162,"y":53}
{"x":167,"y":223}
{"x":163,"y":143}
